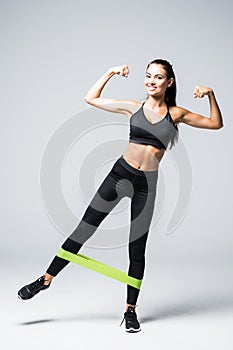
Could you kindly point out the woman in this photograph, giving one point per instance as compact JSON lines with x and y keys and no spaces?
{"x":153,"y":126}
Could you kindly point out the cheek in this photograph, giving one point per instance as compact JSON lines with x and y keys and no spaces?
{"x":162,"y":84}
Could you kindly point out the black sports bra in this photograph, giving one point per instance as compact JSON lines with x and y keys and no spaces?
{"x":157,"y":134}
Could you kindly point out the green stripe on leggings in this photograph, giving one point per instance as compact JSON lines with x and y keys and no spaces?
{"x":97,"y":266}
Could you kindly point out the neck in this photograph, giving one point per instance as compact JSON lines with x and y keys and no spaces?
{"x":155,"y":102}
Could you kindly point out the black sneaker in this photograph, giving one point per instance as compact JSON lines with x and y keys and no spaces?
{"x":131,"y":323}
{"x":27,"y":292}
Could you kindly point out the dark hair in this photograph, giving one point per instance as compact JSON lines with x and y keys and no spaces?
{"x":170,"y":94}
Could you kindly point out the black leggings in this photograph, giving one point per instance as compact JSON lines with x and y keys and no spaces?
{"x":122,"y":181}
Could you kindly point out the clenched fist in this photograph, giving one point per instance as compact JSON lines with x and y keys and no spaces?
{"x":121,"y":70}
{"x":201,"y":91}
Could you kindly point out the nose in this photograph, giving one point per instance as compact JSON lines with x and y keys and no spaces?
{"x":151,"y":80}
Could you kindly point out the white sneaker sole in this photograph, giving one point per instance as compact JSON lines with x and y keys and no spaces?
{"x":133,"y":330}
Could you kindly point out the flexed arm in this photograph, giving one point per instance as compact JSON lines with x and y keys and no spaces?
{"x":118,"y":106}
{"x":97,"y":88}
{"x":215,"y":120}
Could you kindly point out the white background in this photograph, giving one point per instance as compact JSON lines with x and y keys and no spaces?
{"x":51,"y":54}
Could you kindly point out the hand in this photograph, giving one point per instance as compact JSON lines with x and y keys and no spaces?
{"x":121,"y":70}
{"x":201,"y":91}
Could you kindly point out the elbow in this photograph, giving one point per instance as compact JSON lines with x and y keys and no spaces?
{"x":217,"y":127}
{"x":220,"y":126}
{"x":87,"y":100}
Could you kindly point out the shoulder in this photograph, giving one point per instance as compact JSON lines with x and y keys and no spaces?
{"x":177,"y":113}
{"x":129,"y":107}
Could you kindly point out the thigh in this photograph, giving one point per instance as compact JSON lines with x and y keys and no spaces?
{"x":142,"y":209}
{"x":103,"y":201}
{"x":113,"y":188}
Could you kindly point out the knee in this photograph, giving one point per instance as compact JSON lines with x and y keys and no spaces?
{"x":83,"y":232}
{"x":137,"y":260}
{"x":93,"y":216}
{"x":71,"y":246}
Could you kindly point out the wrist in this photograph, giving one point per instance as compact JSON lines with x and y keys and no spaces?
{"x":110,"y":72}
{"x":211,"y":93}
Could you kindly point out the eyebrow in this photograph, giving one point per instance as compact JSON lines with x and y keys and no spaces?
{"x":155,"y":74}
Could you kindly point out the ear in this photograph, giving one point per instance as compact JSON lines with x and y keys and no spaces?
{"x":170,"y":82}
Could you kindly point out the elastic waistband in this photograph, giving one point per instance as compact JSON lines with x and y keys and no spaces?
{"x":135,"y":171}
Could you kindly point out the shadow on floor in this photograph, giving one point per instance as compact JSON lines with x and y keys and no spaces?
{"x":74,"y":318}
{"x":187,"y":307}
{"x":35,"y":322}
{"x":203,"y":304}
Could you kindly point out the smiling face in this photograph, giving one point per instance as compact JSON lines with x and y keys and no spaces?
{"x":156,"y":81}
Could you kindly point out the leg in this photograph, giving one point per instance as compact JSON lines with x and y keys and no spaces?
{"x":108,"y":195}
{"x":142,"y":207}
{"x":136,"y":267}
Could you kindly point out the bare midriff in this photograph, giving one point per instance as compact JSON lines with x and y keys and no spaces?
{"x":143,"y":157}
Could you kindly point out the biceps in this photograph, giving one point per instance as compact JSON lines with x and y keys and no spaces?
{"x":197,"y":121}
{"x":115,"y":106}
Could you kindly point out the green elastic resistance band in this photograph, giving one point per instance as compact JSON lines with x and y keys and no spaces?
{"x":97,"y":266}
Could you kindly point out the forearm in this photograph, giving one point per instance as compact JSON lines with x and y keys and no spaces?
{"x":97,"y":88}
{"x":215,"y":113}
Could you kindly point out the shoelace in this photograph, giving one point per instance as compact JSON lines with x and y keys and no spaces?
{"x":123,"y":319}
{"x":34,"y":286}
{"x":130,"y":315}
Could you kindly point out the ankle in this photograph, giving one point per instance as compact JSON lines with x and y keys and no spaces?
{"x":47,"y":279}
{"x":127,"y":305}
